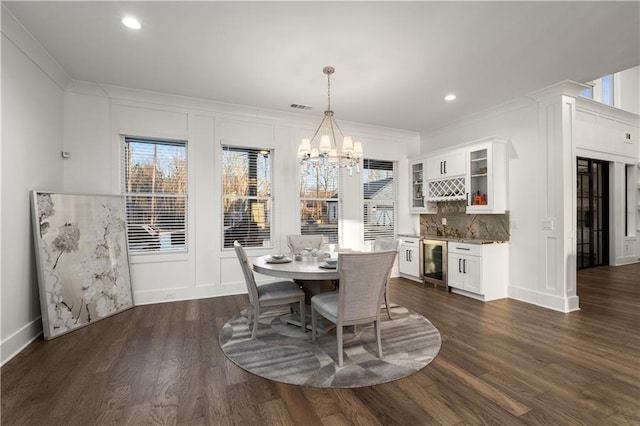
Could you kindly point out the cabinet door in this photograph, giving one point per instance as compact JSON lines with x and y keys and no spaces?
{"x":455,"y":276}
{"x":417,"y":203}
{"x":454,"y":164}
{"x":465,"y":272}
{"x":471,"y":270}
{"x":486,"y":179}
{"x":408,"y":261}
{"x":447,"y":165}
{"x":435,"y":167}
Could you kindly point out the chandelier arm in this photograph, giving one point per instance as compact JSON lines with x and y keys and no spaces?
{"x":338,"y":127}
{"x":317,"y":130}
{"x":333,"y":134}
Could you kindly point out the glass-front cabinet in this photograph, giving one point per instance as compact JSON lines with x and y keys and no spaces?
{"x":478,"y":173}
{"x":418,"y":202}
{"x":486,"y":177}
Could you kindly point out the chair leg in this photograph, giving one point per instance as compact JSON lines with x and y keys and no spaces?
{"x":249,"y":315}
{"x":313,"y":323}
{"x":303,"y":315}
{"x":339,"y":334}
{"x":386,"y":302}
{"x":376,"y":326}
{"x":256,"y":315}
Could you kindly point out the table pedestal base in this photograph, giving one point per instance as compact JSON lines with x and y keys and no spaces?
{"x":323,"y":326}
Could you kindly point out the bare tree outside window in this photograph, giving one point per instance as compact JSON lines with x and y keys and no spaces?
{"x":319,"y":203}
{"x":155,"y":186}
{"x":246,"y":196}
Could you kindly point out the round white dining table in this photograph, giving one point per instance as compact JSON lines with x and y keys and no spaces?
{"x":294,"y":270}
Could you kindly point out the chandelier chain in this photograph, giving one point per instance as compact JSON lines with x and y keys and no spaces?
{"x":329,"y":91}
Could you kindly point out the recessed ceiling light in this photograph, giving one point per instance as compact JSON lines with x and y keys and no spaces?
{"x":450,"y":97}
{"x":131,"y":22}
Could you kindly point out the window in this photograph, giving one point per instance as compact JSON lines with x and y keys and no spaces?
{"x":319,"y":203}
{"x":379,"y":199}
{"x":587,"y":93}
{"x":155,"y":189}
{"x":246,"y":196}
{"x":601,"y":90}
{"x":607,"y":89}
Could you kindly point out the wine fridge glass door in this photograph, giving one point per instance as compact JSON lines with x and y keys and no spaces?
{"x":435,"y":262}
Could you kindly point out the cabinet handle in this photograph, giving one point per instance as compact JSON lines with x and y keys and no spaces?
{"x":410,"y":260}
{"x":445,"y":167}
{"x":463,"y":248}
{"x":441,"y":167}
{"x":464,"y":266}
{"x":460,"y":265}
{"x":468,"y":203}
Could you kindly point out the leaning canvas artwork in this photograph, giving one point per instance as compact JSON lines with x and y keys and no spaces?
{"x":82,"y":259}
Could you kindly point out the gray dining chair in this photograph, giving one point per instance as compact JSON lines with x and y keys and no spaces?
{"x":362,"y":280}
{"x":383,"y":244}
{"x":297,"y":243}
{"x":268,"y":295}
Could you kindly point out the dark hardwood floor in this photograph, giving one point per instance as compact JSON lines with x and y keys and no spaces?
{"x":503,"y":362}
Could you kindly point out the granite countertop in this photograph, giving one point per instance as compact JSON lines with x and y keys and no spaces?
{"x":462,"y":240}
{"x":452,"y":239}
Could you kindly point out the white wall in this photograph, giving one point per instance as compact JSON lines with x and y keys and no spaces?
{"x":627,"y":90}
{"x":32,"y":133}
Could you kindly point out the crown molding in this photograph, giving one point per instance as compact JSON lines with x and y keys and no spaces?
{"x":17,"y":34}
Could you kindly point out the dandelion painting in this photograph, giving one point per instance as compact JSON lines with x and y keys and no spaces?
{"x":83,"y":266}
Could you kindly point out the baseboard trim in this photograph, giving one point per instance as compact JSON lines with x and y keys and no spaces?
{"x":561,"y":304}
{"x":14,"y":344}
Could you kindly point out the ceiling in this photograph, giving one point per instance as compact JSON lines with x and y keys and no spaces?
{"x":395,"y":61}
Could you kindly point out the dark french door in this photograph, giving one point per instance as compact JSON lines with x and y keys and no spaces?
{"x":593,"y":213}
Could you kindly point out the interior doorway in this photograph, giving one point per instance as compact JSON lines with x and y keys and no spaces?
{"x":593,"y":213}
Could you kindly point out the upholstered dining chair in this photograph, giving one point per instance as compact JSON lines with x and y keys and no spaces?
{"x":362,"y":280}
{"x":297,"y":243}
{"x":384,"y":244}
{"x":268,"y":295}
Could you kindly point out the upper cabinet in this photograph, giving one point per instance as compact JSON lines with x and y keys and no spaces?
{"x":446,"y":165}
{"x":445,"y":176}
{"x":474,"y":172}
{"x":486,"y":177}
{"x":417,"y":169}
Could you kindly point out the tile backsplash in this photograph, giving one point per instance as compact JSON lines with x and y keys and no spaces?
{"x":461,"y":225}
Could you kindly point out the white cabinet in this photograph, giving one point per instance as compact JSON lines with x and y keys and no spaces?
{"x":486,"y":177}
{"x":445,"y":176}
{"x":418,"y":188}
{"x":416,"y":169}
{"x":474,"y":172}
{"x":478,"y":270}
{"x":409,"y":258}
{"x":446,"y":165}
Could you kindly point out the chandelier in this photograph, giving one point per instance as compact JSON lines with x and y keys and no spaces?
{"x":324,"y":154}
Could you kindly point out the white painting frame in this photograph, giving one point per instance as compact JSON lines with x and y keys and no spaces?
{"x":82,"y":259}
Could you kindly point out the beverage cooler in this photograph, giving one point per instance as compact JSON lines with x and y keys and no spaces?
{"x":434,"y":262}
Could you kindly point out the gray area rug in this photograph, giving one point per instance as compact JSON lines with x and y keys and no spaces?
{"x":283,"y":353}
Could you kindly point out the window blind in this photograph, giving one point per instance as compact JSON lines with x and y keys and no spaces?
{"x":379,"y":199}
{"x":154,"y":178}
{"x":247,"y":197}
{"x":320,"y":203}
